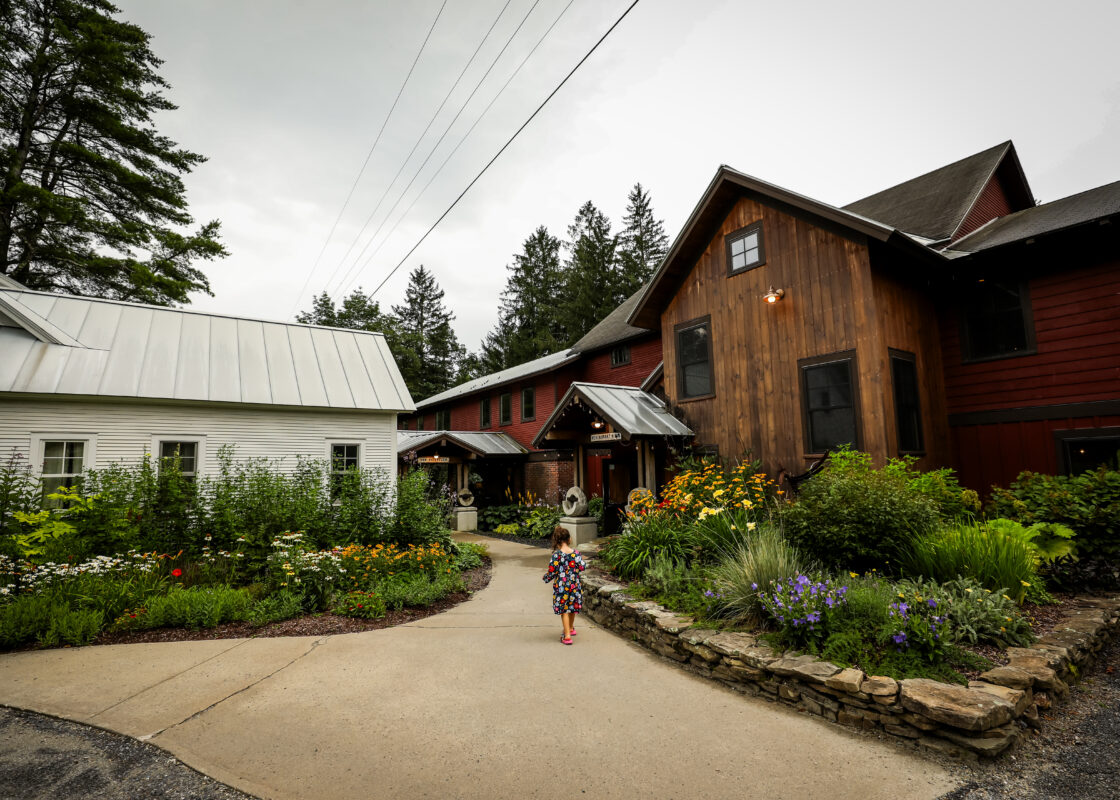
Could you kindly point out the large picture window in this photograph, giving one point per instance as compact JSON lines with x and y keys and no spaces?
{"x":907,"y":406}
{"x":996,"y":321}
{"x":528,"y":403}
{"x":694,"y":359}
{"x":829,"y":400}
{"x":744,"y":249}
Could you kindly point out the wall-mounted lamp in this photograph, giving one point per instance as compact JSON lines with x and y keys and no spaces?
{"x":597,"y":424}
{"x":774,"y":295}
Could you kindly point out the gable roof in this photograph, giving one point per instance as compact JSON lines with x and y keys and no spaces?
{"x":480,"y":443}
{"x":935,"y":204}
{"x":613,"y":329}
{"x":722,"y":193}
{"x":90,"y":347}
{"x":1078,"y":209}
{"x":627,"y":409}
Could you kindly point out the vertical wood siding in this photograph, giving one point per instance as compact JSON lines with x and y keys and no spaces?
{"x":124,"y":431}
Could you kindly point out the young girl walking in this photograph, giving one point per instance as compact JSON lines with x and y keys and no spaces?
{"x":563,"y":573}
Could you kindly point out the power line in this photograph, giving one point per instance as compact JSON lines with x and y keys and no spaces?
{"x":384,"y":123}
{"x":462,"y":140}
{"x":435,"y":147}
{"x":419,"y":139}
{"x":497,"y":155}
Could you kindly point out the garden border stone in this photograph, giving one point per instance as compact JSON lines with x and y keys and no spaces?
{"x":984,"y":719}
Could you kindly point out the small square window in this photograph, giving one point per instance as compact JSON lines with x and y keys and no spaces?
{"x":620,"y":356}
{"x":183,"y":452}
{"x":744,"y":249}
{"x":484,"y":413}
{"x":528,"y":403}
{"x":996,"y":321}
{"x":505,"y":409}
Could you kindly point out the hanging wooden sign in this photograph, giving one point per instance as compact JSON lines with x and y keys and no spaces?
{"x":606,"y":437}
{"x":433,"y":460}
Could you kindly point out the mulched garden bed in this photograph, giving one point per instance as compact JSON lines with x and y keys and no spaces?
{"x":324,"y":624}
{"x":531,"y":541}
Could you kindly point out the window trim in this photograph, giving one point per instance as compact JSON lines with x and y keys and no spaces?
{"x":620,"y":362}
{"x":734,"y":236}
{"x":853,"y":369}
{"x":485,"y":421}
{"x":37,"y":443}
{"x":531,"y":390}
{"x":906,"y":355}
{"x":678,"y":329}
{"x":1026,"y":308}
{"x":1065,"y":435}
{"x":199,"y":442}
{"x":502,"y":419}
{"x":443,"y":415}
{"x":330,"y":445}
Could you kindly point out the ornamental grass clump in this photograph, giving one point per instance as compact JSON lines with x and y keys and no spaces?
{"x":802,"y":609}
{"x":644,"y":538}
{"x":761,"y":556}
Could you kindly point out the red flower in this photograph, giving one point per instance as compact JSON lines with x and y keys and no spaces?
{"x":175,"y":573}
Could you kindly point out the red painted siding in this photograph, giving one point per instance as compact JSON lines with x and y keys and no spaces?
{"x":1077,"y":328}
{"x":995,"y":454}
{"x":991,"y":203}
{"x":645,"y":355}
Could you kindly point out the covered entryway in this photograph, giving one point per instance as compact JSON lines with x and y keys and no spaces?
{"x":621,"y":437}
{"x":488,"y":464}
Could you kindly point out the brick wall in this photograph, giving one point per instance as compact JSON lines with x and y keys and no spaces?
{"x":548,"y":479}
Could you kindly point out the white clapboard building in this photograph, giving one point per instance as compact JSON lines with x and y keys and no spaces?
{"x":86,"y":382}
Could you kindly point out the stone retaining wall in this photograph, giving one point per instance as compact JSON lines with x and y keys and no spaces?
{"x":985,"y":718}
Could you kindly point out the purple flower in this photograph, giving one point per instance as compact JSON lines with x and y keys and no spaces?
{"x":754,"y":587}
{"x":932,"y":603}
{"x":828,"y":601}
{"x":899,"y":638}
{"x":814,"y":617}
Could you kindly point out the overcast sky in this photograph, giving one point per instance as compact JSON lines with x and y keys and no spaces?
{"x":832,"y":100}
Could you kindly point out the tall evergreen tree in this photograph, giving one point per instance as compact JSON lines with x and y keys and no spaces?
{"x":427,"y":323}
{"x":91,"y":195}
{"x":357,"y":312}
{"x":529,"y":300}
{"x":642,"y":243}
{"x":590,"y":286}
{"x":496,"y":347}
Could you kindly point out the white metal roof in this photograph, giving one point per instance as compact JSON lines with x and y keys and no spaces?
{"x":495,"y":379}
{"x":81,"y":346}
{"x":481,"y":442}
{"x":628,"y":409}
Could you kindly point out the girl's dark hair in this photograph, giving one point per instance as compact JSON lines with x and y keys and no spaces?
{"x":559,"y":537}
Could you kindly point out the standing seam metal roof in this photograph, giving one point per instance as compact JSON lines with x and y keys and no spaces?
{"x":481,"y":442}
{"x":81,"y":346}
{"x":627,"y":408}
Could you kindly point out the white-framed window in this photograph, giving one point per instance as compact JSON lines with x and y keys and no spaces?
{"x":189,"y":449}
{"x":343,"y":455}
{"x":60,"y":458}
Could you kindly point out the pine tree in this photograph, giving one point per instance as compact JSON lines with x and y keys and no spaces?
{"x":425,"y":322}
{"x":359,"y":313}
{"x":495,"y":353}
{"x":590,"y":286}
{"x":91,"y":195}
{"x":642,"y":244}
{"x":529,"y":300}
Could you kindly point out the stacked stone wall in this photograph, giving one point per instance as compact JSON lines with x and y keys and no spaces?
{"x":986,"y":718}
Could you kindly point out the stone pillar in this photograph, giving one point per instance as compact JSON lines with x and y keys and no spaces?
{"x":464,"y":518}
{"x":582,"y":529}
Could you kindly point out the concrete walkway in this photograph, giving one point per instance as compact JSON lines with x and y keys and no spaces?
{"x":479,"y":702}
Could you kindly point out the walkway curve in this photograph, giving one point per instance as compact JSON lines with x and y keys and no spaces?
{"x":481,"y":701}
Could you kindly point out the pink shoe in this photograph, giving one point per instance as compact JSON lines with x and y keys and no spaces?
{"x":572,"y":632}
{"x":566,"y":640}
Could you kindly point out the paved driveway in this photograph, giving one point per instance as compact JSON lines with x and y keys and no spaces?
{"x":479,"y":702}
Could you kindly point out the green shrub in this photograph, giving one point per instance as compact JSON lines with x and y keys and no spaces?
{"x":508,"y":530}
{"x":197,"y":607}
{"x":417,"y":589}
{"x":762,"y":555}
{"x":421,"y":513}
{"x":541,"y":522}
{"x":275,"y":607}
{"x":997,"y":560}
{"x":974,"y":614}
{"x":73,"y":626}
{"x":490,"y":518}
{"x":854,"y":517}
{"x":595,"y":507}
{"x":362,"y":605}
{"x":1089,"y":503}
{"x":684,"y":589}
{"x":645,"y":537}
{"x":469,"y":555}
{"x":26,"y":617}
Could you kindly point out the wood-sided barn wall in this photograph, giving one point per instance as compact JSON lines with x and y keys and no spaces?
{"x":829,"y":307}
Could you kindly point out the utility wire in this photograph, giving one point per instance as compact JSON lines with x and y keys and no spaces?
{"x":369,"y":155}
{"x":435,"y":147}
{"x":504,"y":147}
{"x":419,"y":139}
{"x":466,"y":136}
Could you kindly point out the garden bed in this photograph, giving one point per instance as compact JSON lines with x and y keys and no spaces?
{"x":986,"y":718}
{"x":532,"y":541}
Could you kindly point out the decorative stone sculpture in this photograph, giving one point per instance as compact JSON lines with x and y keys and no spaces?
{"x":575,"y":503}
{"x":465,"y":497}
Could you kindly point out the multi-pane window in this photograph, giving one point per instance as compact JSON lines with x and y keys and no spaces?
{"x":907,"y":408}
{"x":528,"y":403}
{"x":505,"y":409}
{"x":620,"y":356}
{"x":744,"y":249}
{"x":183,"y":453}
{"x":63,"y":461}
{"x":484,"y":413}
{"x":443,"y":420}
{"x":345,"y":458}
{"x":828,"y":396}
{"x":694,"y":359}
{"x":996,"y":321}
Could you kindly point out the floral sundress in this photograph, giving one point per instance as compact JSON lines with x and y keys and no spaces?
{"x":563,"y":571}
